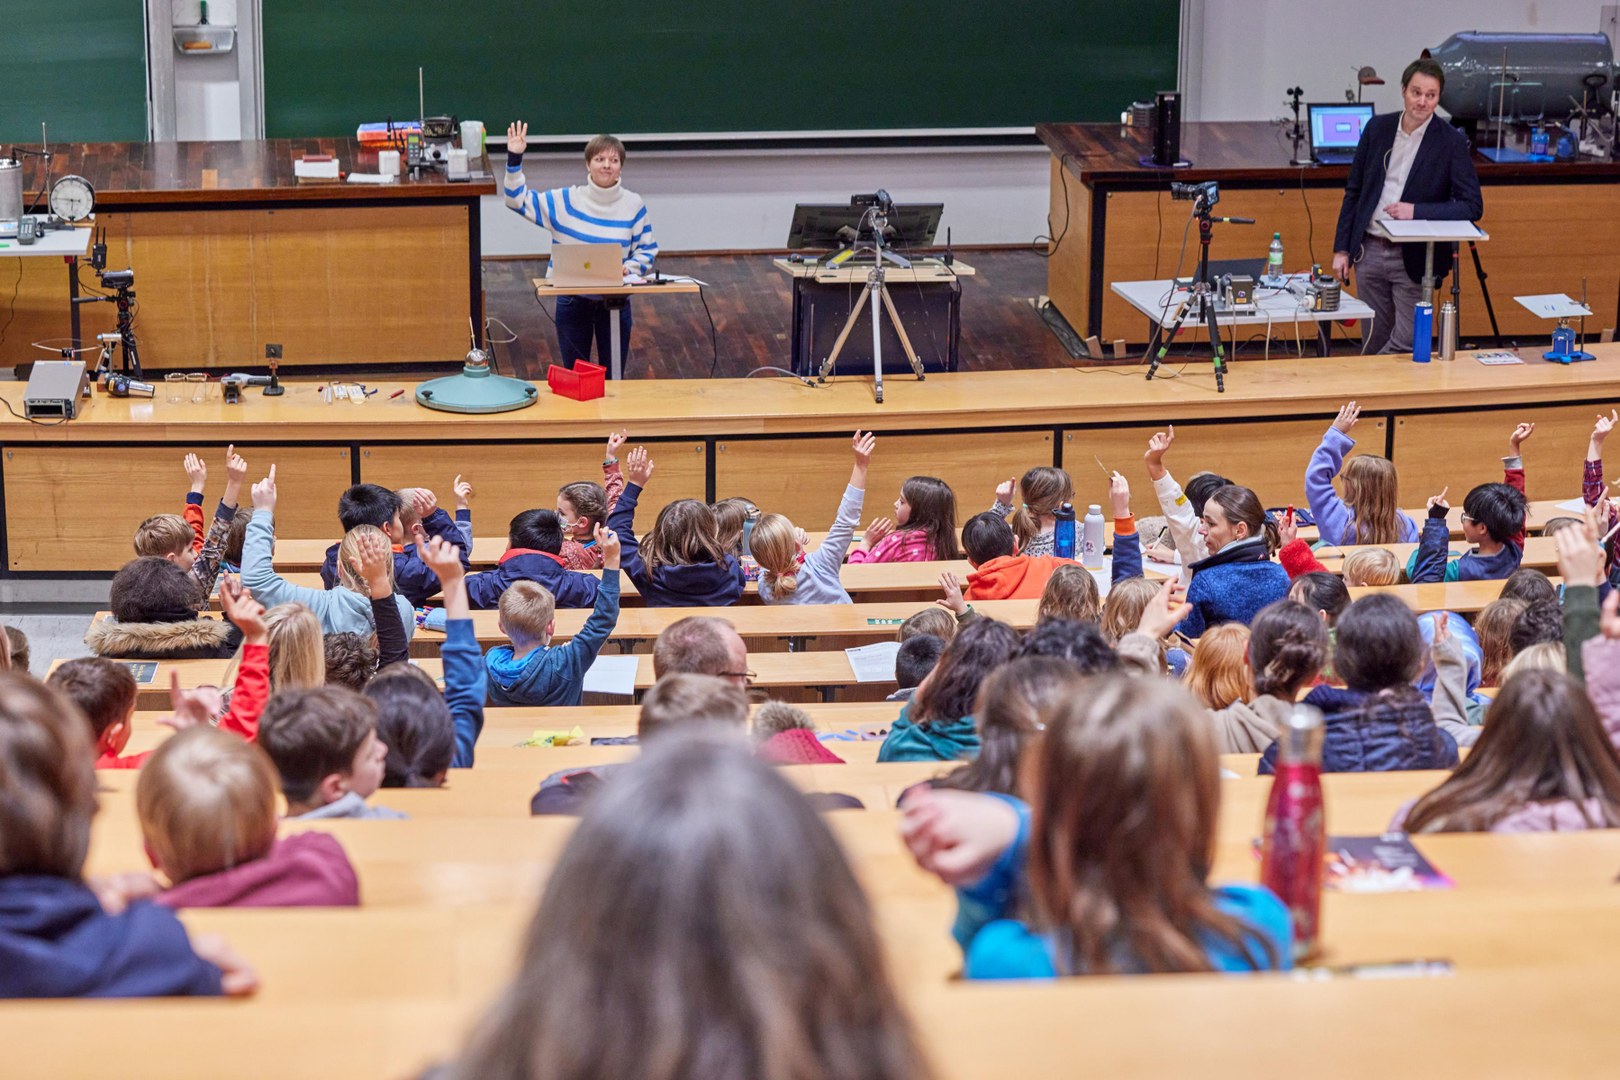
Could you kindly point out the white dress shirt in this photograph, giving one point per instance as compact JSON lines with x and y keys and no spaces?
{"x":1399,"y":164}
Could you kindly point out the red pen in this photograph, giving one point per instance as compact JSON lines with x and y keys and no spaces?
{"x":1290,"y":515}
{"x":396,"y":394}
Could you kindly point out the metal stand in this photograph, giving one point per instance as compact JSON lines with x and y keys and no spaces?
{"x":1484,"y":289}
{"x":876,"y":288}
{"x":1203,"y":295}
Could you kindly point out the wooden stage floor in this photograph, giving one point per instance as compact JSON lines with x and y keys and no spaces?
{"x":752,"y":304}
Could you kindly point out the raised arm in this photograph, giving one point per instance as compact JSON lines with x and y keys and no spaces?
{"x":1127,"y":541}
{"x":1334,"y":521}
{"x":1173,"y":503}
{"x":257,"y":572}
{"x":581,"y":650}
{"x":466,"y":683}
{"x":1434,"y":545}
{"x":829,"y":556}
{"x":534,"y":205}
{"x":638,"y":471}
{"x":376,"y":561}
{"x":252,"y":690}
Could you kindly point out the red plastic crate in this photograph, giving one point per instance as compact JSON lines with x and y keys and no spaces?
{"x":585,"y":382}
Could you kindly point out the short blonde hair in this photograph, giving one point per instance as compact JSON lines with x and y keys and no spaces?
{"x":163,"y":534}
{"x":1371,"y":566}
{"x":348,"y":562}
{"x":1070,"y":593}
{"x":1542,"y":656}
{"x":1123,"y":608}
{"x":206,"y":802}
{"x":1219,"y":673}
{"x":407,"y":510}
{"x":930,"y":620}
{"x":526,"y":608}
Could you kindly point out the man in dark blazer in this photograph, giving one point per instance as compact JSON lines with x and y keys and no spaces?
{"x":1407,"y":166}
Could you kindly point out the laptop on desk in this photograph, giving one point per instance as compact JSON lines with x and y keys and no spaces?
{"x":587,"y":265}
{"x":1336,"y":129}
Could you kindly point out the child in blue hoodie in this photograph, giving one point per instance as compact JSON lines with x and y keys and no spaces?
{"x":531,"y":671}
{"x":1492,"y":520}
{"x":419,"y":518}
{"x":57,"y":940}
{"x":1367,"y":513}
{"x":681,"y":563}
{"x":534,"y":542}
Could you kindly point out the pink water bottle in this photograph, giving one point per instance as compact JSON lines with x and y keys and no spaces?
{"x":1295,"y":840}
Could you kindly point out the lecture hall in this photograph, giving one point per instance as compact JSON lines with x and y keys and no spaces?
{"x":1116,"y":477}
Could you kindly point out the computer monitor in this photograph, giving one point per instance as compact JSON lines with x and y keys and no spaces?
{"x":816,"y":226}
{"x":1338,"y":126}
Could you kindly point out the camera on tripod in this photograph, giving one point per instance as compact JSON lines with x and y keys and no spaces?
{"x":1205,"y":192}
{"x":118,"y":279}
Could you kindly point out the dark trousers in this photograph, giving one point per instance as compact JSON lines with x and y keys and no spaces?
{"x":581,"y":318}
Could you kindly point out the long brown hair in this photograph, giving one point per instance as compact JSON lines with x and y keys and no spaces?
{"x":1493,"y":626}
{"x":1014,"y":703}
{"x":1542,"y":742}
{"x":684,"y":533}
{"x":1219,"y":672}
{"x":1122,"y":610}
{"x":1125,"y":790}
{"x":47,"y":770}
{"x":1370,"y":489}
{"x":952,"y":688}
{"x":933,"y":510}
{"x":751,"y":953}
{"x":1043,"y":489}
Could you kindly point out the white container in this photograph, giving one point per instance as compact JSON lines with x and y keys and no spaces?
{"x":1091,"y":539}
{"x":456,"y":164}
{"x":388,"y":162}
{"x":472,"y":138}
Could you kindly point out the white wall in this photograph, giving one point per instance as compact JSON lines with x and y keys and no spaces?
{"x":743,"y":200}
{"x":207,"y":87}
{"x":1246,"y":53}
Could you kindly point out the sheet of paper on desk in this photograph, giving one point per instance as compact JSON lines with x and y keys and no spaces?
{"x":1426,"y":228}
{"x":873,"y":663}
{"x":1498,"y":357}
{"x":1573,"y":506}
{"x":612,"y":675}
{"x":1168,"y":569}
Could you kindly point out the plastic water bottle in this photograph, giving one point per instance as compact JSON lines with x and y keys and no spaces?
{"x":1063,"y":533}
{"x":1540,"y":141}
{"x":1295,"y":838}
{"x":1274,"y":260}
{"x":1091,"y":541}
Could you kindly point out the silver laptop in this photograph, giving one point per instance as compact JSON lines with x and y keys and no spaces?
{"x":576,"y":265}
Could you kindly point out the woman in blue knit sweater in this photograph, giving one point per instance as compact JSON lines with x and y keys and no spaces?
{"x":1238,"y":578}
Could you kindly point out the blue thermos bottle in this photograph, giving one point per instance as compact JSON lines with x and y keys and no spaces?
{"x":1422,"y":332}
{"x":1063,"y":532}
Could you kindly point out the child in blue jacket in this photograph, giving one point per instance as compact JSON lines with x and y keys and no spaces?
{"x":532,"y":671}
{"x":417,"y":520}
{"x":1126,"y":780}
{"x":1492,"y":520}
{"x":534,"y":542}
{"x":681,"y":562}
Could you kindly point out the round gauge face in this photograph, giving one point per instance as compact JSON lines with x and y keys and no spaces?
{"x":72,"y":198}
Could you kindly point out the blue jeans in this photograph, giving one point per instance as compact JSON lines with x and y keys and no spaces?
{"x":579,"y":319}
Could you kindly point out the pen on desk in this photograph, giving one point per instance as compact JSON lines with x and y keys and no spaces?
{"x":396,"y":394}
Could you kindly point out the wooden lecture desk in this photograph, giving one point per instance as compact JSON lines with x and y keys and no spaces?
{"x":1550,"y":224}
{"x":231,"y":253}
{"x":74,"y":492}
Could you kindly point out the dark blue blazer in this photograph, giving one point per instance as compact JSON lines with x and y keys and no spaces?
{"x":1442,"y":186}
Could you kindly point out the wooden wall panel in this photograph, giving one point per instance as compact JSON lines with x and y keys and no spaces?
{"x":804,"y":478}
{"x":1068,"y":266}
{"x":1273,"y":464}
{"x":74,"y":508}
{"x":1461,"y":450}
{"x":510,"y":479}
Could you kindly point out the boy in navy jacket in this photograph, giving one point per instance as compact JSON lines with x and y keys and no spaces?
{"x":533,"y":553}
{"x":531,"y":671}
{"x":1492,"y":520}
{"x":371,"y":504}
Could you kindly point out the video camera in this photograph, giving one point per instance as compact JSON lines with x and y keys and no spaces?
{"x":118,"y":279}
{"x":1205,"y":192}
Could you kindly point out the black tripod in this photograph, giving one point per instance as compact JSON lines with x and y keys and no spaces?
{"x":1202,"y":294}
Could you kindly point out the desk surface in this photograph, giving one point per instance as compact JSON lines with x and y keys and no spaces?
{"x":544,"y":287}
{"x":241,"y":171}
{"x":922,"y":270}
{"x":1246,"y":150}
{"x":58,"y":242}
{"x":1160,"y":301}
{"x":967,"y":400}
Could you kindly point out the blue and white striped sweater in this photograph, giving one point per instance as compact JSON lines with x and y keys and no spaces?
{"x":587,"y":214}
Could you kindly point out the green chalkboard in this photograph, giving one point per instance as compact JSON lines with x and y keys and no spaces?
{"x":79,"y":66}
{"x":713,"y":66}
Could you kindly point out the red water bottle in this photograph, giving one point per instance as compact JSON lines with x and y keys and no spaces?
{"x":1295,"y":839}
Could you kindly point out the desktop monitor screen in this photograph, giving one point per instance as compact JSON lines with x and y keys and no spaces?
{"x":1338,"y":127}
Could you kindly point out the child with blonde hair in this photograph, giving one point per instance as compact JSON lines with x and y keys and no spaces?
{"x":182,"y":540}
{"x":788,"y":575}
{"x":1042,"y":490}
{"x":1371,"y":566}
{"x":207,"y":807}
